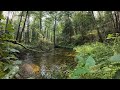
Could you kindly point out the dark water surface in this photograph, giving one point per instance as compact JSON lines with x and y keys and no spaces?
{"x":53,"y":65}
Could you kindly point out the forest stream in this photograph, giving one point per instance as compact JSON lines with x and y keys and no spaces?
{"x":52,"y":65}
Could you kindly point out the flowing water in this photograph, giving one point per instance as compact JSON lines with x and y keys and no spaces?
{"x":52,"y":65}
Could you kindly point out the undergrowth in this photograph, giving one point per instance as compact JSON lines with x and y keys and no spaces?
{"x":102,"y":60}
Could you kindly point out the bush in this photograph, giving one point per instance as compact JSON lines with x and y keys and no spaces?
{"x":104,"y":63}
{"x":99,"y":51}
{"x":88,"y":69}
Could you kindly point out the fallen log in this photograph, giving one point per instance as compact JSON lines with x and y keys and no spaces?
{"x":15,"y":42}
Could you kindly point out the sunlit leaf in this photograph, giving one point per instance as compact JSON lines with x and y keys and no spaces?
{"x":1,"y":16}
{"x":80,"y":71}
{"x":13,"y":50}
{"x":115,"y":58}
{"x":12,"y":72}
{"x":90,"y":62}
{"x":17,"y":62}
{"x":7,"y":67}
{"x":79,"y":59}
{"x":110,"y":36}
{"x":10,"y":28}
{"x":11,"y":57}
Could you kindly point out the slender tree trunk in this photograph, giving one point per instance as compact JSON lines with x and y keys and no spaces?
{"x":116,"y":16}
{"x":12,"y":17}
{"x":103,"y":31}
{"x":40,"y":20}
{"x":95,"y":25}
{"x":116,"y":20}
{"x":28,"y":29}
{"x":23,"y":27}
{"x":113,"y":21}
{"x":33,"y":31}
{"x":18,"y":31}
{"x":48,"y":34}
{"x":0,"y":19}
{"x":54,"y":29}
{"x":7,"y":21}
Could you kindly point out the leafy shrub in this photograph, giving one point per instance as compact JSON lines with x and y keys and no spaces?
{"x":105,"y":63}
{"x":88,"y":69}
{"x":83,"y":67}
{"x":99,"y":51}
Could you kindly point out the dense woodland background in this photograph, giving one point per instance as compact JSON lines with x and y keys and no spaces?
{"x":94,"y":35}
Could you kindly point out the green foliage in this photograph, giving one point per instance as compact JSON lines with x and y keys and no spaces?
{"x":11,"y":74}
{"x":1,"y":15}
{"x":110,"y":36}
{"x":90,"y":62}
{"x":83,"y":67}
{"x":80,"y":59}
{"x":115,"y":58}
{"x":10,"y":27}
{"x":99,"y":51}
{"x":17,"y":62}
{"x":100,"y":71}
{"x":116,"y":42}
{"x":8,"y":70}
{"x":104,"y":65}
{"x":13,"y":50}
{"x":82,"y":22}
{"x":11,"y":56}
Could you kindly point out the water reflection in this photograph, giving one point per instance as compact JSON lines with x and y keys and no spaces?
{"x":53,"y":65}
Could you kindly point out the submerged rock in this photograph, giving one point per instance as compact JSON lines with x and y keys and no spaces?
{"x":29,"y":70}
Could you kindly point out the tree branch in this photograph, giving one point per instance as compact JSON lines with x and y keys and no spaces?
{"x":15,"y":42}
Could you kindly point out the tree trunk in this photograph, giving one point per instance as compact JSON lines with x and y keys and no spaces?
{"x":18,"y":31}
{"x":28,"y":29}
{"x":12,"y":17}
{"x":48,"y":34}
{"x":40,"y":20}
{"x":23,"y":27}
{"x":7,"y":21}
{"x":95,"y":25}
{"x":54,"y":30}
{"x":116,"y":16}
{"x":113,"y":21}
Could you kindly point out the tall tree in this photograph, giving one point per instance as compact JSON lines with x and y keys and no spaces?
{"x":68,"y":28}
{"x":97,"y":28}
{"x":18,"y":31}
{"x":7,"y":21}
{"x":40,"y":12}
{"x":28,"y":28}
{"x":116,"y":16}
{"x":23,"y":27}
{"x":54,"y":29}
